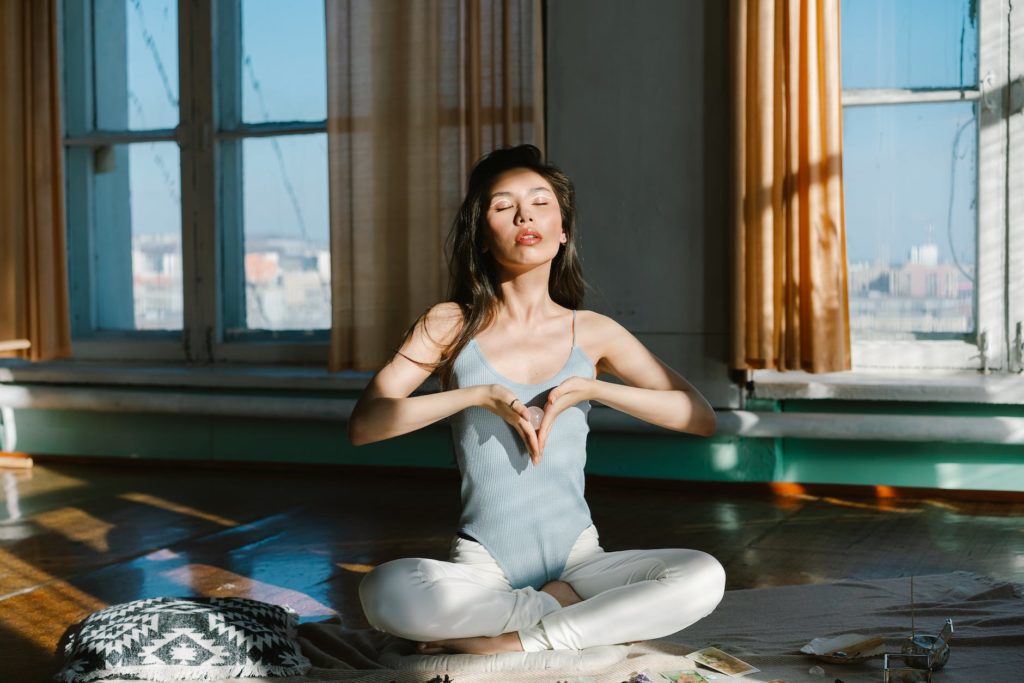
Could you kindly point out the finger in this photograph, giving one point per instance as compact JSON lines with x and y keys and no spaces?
{"x":529,"y":437}
{"x":521,"y":410}
{"x":532,"y":444}
{"x":535,"y":445}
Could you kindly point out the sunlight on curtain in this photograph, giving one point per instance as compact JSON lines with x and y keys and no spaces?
{"x":34,"y":317}
{"x":417,"y":92}
{"x":789,"y":259}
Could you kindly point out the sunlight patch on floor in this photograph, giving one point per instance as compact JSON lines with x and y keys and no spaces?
{"x":32,"y":601}
{"x":157,"y":502}
{"x":76,"y":525}
{"x":214,"y":582}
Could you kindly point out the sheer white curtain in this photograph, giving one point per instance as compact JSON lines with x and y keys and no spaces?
{"x":417,"y":92}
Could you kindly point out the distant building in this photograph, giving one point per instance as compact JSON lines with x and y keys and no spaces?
{"x":919,"y":296}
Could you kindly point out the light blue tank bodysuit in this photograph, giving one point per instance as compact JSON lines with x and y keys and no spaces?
{"x":527,"y":517}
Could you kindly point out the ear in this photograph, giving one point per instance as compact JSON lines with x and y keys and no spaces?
{"x":563,"y":239}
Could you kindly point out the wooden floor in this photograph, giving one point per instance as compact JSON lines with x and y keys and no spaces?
{"x":76,"y":538}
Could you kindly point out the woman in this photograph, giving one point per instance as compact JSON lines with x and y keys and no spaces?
{"x":526,"y":570}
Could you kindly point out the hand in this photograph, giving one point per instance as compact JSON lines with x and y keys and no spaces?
{"x":570,"y":392}
{"x":502,"y":402}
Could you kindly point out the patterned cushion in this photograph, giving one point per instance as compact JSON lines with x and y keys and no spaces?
{"x":169,"y":639}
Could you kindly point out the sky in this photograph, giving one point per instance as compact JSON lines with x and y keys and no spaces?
{"x":900,"y":162}
{"x":283,"y":79}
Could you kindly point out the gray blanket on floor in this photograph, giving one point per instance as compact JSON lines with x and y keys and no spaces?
{"x":765,"y":626}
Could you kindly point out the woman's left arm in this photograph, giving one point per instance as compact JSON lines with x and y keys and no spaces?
{"x":653,"y":392}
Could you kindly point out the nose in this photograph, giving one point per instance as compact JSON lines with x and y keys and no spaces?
{"x":523,"y":215}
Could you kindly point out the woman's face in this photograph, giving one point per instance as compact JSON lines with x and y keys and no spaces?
{"x":524,"y":221}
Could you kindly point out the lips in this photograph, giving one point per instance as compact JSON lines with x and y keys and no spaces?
{"x":528,"y":237}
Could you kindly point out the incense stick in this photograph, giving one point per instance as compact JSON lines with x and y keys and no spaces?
{"x":913,"y":630}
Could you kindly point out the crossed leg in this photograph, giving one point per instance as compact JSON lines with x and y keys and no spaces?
{"x":471,"y":607}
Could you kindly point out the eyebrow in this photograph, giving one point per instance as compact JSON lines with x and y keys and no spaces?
{"x":533,"y":190}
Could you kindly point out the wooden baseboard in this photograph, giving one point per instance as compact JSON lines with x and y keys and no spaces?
{"x":733,"y":488}
{"x":816,"y":490}
{"x":15,"y":460}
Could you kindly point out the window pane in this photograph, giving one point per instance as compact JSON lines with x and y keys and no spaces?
{"x":287,"y":264}
{"x":284,"y":61}
{"x":910,"y":176}
{"x":136,"y":61}
{"x":910,"y":43}
{"x":136,"y":239}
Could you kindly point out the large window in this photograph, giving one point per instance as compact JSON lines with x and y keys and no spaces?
{"x":925,"y":161}
{"x":197,"y":179}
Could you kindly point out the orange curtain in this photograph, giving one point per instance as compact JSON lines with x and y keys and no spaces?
{"x":33,"y":273}
{"x":789,"y":245}
{"x":417,"y":92}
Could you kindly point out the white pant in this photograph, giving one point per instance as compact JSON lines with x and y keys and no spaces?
{"x":627,"y":596}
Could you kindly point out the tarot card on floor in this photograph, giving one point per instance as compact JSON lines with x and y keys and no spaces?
{"x":684,"y":677}
{"x":713,"y":658}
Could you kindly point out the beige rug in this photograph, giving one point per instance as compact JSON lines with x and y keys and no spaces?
{"x":766,"y":627}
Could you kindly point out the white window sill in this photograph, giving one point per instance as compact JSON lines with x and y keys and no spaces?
{"x":892,"y":385}
{"x":149,"y":374}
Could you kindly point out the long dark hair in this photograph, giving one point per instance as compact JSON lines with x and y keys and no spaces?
{"x":473,"y":283}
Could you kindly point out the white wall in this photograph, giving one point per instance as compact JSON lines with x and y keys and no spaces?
{"x":636,"y":115}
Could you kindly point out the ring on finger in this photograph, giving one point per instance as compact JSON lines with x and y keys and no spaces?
{"x":512,"y":403}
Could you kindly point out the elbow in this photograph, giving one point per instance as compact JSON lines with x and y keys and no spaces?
{"x":710,"y":423}
{"x":703,"y":424}
{"x":357,"y":436}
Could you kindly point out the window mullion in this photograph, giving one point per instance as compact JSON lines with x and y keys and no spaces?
{"x":199,"y":244}
{"x":76,"y":20}
{"x":992,"y":165}
{"x":1014,"y":111}
{"x":859,"y":97}
{"x":228,"y":98}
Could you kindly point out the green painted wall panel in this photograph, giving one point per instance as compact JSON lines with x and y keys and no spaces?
{"x":668,"y":456}
{"x":939,"y":465}
{"x":120,"y":435}
{"x":682,"y":457}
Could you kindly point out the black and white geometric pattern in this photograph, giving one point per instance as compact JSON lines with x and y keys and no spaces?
{"x":170,"y":639}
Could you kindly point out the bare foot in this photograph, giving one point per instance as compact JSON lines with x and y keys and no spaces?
{"x":562,"y":592}
{"x":482,"y":645}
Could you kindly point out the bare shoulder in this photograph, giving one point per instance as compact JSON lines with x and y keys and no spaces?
{"x":443,"y":322}
{"x":595,"y":326}
{"x":596,"y":334}
{"x":444,"y":318}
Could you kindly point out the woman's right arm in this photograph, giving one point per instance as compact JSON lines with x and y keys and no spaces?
{"x":386,"y":409}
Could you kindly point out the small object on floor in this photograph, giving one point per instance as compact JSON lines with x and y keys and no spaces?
{"x":723,"y":662}
{"x":816,"y":671}
{"x":15,"y":460}
{"x":683,"y":676}
{"x":933,"y":650}
{"x":845,"y":649}
{"x":536,"y":415}
{"x":641,"y":677}
{"x":438,"y":679}
{"x":908,"y":673}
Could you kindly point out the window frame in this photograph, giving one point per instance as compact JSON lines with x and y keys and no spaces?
{"x":209,"y":229}
{"x":992,"y":220}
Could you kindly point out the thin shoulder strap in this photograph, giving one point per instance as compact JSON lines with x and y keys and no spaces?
{"x":574,"y":327}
